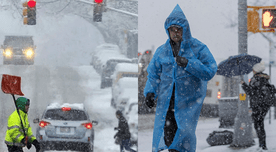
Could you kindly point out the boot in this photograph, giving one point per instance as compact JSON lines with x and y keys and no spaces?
{"x":262,"y":143}
{"x":264,"y":148}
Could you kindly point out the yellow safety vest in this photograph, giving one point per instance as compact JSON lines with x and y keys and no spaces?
{"x":14,"y":133}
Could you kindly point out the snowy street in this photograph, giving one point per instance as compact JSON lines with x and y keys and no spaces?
{"x":44,"y":85}
{"x":204,"y":128}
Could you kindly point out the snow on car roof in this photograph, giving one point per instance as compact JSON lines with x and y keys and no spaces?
{"x":107,"y":57}
{"x":79,"y":106}
{"x":126,"y":67}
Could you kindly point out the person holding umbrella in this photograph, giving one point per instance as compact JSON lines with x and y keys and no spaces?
{"x":177,"y":76}
{"x":261,"y":95}
{"x":19,"y":133}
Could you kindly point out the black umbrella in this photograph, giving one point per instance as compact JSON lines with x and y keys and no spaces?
{"x":237,"y":65}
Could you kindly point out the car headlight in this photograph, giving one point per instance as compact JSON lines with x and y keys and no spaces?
{"x":29,"y":53}
{"x":7,"y":52}
{"x":140,"y":65}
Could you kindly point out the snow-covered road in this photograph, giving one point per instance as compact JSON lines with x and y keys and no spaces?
{"x":44,"y":85}
{"x":204,"y":128}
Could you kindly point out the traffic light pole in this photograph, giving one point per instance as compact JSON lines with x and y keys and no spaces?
{"x":243,"y":123}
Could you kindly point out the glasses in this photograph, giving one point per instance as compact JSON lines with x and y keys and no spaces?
{"x":175,"y":29}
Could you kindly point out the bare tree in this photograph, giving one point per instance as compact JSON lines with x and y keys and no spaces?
{"x":114,"y":24}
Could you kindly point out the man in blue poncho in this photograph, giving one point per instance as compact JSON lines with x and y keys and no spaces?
{"x":178,"y":75}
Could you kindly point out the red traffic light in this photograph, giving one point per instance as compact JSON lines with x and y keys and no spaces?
{"x":31,"y":3}
{"x":98,"y":1}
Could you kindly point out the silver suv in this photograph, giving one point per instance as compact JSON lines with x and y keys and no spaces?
{"x":65,"y":127}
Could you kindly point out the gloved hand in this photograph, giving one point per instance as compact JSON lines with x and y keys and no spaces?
{"x":37,"y":145}
{"x":181,"y":61}
{"x":150,"y":100}
{"x":29,"y":145}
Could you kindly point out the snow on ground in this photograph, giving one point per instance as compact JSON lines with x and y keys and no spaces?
{"x":204,"y":128}
{"x":99,"y":101}
{"x":79,"y":84}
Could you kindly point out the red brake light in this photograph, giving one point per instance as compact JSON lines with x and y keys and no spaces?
{"x":219,"y":95}
{"x":87,"y":125}
{"x":42,"y":124}
{"x":65,"y":108}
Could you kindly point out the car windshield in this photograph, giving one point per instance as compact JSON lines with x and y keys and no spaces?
{"x":58,"y":114}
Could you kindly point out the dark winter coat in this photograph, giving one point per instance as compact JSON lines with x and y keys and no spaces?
{"x":123,"y":129}
{"x":261,"y":96}
{"x":190,"y":85}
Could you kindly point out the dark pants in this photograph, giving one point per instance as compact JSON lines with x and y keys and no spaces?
{"x":258,"y":115}
{"x":126,"y":145}
{"x":170,"y":127}
{"x":14,"y":149}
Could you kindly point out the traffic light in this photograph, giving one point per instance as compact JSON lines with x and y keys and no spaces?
{"x":29,"y":12}
{"x":269,"y":18}
{"x":253,"y":21}
{"x":98,"y":1}
{"x":98,"y":10}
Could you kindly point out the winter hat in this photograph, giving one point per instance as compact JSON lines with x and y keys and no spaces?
{"x":21,"y":102}
{"x":119,"y":113}
{"x":259,"y":67}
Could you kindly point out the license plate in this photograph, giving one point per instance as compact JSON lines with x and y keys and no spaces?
{"x":64,"y":129}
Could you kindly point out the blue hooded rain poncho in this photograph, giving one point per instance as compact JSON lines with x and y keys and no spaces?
{"x":190,"y":85}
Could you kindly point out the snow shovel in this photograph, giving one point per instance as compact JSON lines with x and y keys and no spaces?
{"x":12,"y":85}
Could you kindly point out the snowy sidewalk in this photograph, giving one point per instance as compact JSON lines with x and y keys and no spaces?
{"x":204,"y":128}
